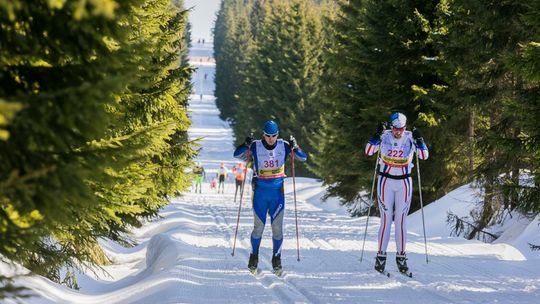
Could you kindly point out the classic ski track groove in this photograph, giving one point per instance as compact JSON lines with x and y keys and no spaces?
{"x":293,"y":292}
{"x":266,"y":279}
{"x":485,"y":274}
{"x":397,"y":276}
{"x":278,"y":296}
{"x":394,"y":275}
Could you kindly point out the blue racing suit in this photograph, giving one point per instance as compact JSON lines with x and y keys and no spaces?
{"x":268,"y":196}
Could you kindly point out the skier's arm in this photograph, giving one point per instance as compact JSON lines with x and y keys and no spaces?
{"x":372,"y":146}
{"x":373,"y":143}
{"x":421,"y":147}
{"x":299,"y":154}
{"x":241,"y":151}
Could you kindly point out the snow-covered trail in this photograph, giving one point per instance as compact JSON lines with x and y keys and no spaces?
{"x":329,"y":269}
{"x":185,"y":256}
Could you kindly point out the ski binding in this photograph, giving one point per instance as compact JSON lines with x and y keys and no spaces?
{"x":278,"y":272}
{"x":254,"y":271}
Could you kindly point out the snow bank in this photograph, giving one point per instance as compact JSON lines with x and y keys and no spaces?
{"x":311,"y":191}
{"x":459,"y":202}
{"x":523,"y":233}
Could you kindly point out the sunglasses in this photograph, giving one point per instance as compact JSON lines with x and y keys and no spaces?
{"x":271,"y":136}
{"x":398,"y":129}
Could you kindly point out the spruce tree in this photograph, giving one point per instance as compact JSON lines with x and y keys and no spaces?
{"x":482,"y":38}
{"x":233,"y":46}
{"x":381,"y":62}
{"x":526,"y":63}
{"x":282,"y":78}
{"x":100,"y":136}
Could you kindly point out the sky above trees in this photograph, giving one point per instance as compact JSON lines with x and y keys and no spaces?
{"x":202,"y":17}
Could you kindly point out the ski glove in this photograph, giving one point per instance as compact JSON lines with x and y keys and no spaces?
{"x":417,"y":136}
{"x":380,"y":129}
{"x":248,"y":141}
{"x":416,"y":133}
{"x":293,"y":143}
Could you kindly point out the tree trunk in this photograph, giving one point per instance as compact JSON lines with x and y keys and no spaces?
{"x":471,"y":140}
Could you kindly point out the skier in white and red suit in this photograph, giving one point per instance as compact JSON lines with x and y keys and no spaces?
{"x":394,"y":184}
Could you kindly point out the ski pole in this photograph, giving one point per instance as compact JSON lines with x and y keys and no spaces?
{"x":241,"y":195}
{"x":295,"y":210}
{"x":421,"y":205}
{"x":370,"y":202}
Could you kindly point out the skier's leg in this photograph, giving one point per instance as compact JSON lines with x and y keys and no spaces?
{"x":386,"y":207}
{"x":277,"y":210}
{"x":260,"y":209}
{"x":198,"y":184}
{"x":402,"y":206}
{"x":221,"y":184}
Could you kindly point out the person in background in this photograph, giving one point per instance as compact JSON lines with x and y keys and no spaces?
{"x":222,"y":176}
{"x":200,"y":174}
{"x":238,"y":172}
{"x":394,"y":184}
{"x":269,"y":155}
{"x":213,"y":184}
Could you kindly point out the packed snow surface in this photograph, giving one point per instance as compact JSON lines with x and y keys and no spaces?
{"x":185,"y":255}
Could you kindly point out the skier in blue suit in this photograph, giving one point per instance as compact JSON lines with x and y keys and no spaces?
{"x":269,"y":155}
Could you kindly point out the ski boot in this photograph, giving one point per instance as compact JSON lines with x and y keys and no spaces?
{"x":380,"y":261}
{"x":276,"y":264}
{"x":401,"y":261}
{"x":252,"y":264}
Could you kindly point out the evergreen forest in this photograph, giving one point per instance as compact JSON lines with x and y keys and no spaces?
{"x":93,"y":126}
{"x":465,"y":73}
{"x":94,"y":95}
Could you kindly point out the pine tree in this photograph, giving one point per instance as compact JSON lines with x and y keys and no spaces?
{"x":100,"y":136}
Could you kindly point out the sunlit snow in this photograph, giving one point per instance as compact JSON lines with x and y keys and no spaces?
{"x":185,"y":255}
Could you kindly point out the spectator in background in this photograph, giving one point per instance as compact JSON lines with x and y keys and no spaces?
{"x":222,"y":176}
